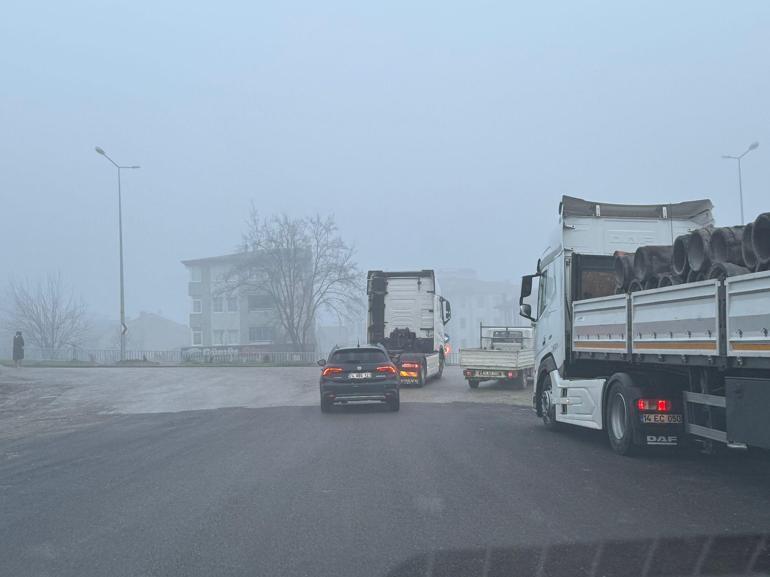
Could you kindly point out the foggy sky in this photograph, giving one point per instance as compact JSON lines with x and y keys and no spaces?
{"x":440,"y":134}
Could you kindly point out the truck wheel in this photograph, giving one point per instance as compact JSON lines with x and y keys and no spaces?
{"x":440,"y":366}
{"x":547,"y":407}
{"x":473,"y":384}
{"x":422,"y":378}
{"x":619,"y":415}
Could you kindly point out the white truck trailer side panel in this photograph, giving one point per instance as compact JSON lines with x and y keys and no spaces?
{"x":599,"y":325}
{"x":748,"y":315}
{"x":682,"y":319}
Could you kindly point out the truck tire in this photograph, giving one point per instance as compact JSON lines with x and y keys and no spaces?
{"x":473,"y":384}
{"x":619,"y":413}
{"x":440,"y":366}
{"x":422,"y":378}
{"x":546,"y":406}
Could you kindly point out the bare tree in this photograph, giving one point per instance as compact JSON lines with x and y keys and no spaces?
{"x":47,"y":313}
{"x":304,"y":266}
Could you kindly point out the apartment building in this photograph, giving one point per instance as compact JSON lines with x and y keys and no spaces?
{"x":221,"y":318}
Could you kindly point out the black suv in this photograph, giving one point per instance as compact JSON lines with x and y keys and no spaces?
{"x":359,"y":374}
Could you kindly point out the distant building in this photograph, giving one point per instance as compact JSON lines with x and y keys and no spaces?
{"x":153,"y":332}
{"x":219,"y":318}
{"x":476,"y":301}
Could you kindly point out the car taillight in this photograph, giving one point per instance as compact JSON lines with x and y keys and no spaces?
{"x":331,"y":371}
{"x":658,"y":405}
{"x":410,"y":365}
{"x":389,"y":369}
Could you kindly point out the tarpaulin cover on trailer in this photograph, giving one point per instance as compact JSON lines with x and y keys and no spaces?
{"x":571,"y":206}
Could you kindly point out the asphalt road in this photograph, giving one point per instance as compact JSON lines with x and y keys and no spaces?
{"x":287,"y":490}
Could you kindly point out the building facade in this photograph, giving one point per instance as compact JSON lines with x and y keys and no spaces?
{"x":475,"y":301}
{"x":219,"y":317}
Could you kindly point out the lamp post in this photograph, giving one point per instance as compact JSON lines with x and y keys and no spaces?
{"x":752,"y":146}
{"x":123,"y":327}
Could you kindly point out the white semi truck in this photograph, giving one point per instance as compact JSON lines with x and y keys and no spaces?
{"x":657,"y":367}
{"x":407,"y":315}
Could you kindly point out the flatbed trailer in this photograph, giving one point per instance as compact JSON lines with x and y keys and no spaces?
{"x":659,"y":367}
{"x":717,"y":330}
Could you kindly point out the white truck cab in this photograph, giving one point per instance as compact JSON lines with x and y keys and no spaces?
{"x":408,"y":315}
{"x":578,"y":264}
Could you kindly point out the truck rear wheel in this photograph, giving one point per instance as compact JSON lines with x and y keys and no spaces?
{"x":473,"y":384}
{"x":440,"y":366}
{"x":422,"y":378}
{"x":619,"y":415}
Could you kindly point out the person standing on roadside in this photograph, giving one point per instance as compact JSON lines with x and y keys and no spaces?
{"x":18,"y":349}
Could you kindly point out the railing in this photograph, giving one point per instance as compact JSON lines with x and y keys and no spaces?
{"x":196,"y":355}
{"x":234,"y":355}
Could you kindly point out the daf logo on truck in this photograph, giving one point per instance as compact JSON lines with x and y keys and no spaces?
{"x":649,"y":326}
{"x":662,"y":440}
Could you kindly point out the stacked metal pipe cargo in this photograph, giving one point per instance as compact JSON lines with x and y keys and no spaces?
{"x":706,"y":253}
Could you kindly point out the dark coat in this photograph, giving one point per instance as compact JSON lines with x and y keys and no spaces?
{"x":18,"y":348}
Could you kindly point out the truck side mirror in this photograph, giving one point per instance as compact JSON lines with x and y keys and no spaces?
{"x":525,"y":310}
{"x":447,"y":311}
{"x":526,"y":287}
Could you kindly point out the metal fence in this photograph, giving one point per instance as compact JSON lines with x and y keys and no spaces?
{"x":192,"y":355}
{"x":227,"y":355}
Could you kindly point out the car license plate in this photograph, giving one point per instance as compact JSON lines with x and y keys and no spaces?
{"x":661,"y":419}
{"x":359,"y":375}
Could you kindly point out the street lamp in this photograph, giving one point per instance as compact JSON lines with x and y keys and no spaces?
{"x":123,"y":327}
{"x":752,"y":146}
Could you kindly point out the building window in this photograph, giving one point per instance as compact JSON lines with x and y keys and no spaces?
{"x":260,"y":334}
{"x":219,"y":337}
{"x":196,"y":306}
{"x":233,"y":337}
{"x":195,"y":274}
{"x":218,"y":304}
{"x":232,"y":304}
{"x":196,"y":337}
{"x":260,"y":302}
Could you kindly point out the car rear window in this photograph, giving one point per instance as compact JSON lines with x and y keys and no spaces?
{"x":359,"y":356}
